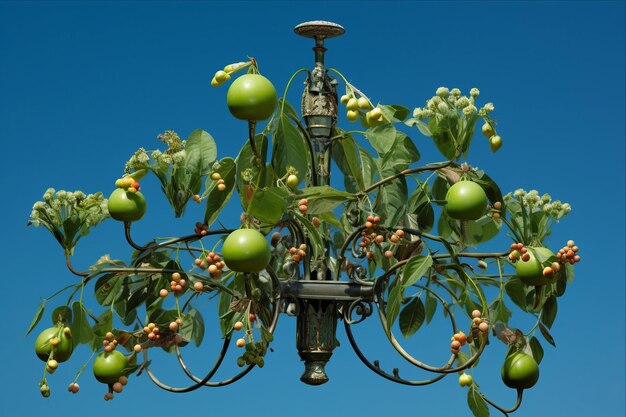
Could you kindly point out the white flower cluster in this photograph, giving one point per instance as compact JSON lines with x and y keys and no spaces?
{"x":446,"y":100}
{"x":60,"y":205}
{"x":531,"y":199}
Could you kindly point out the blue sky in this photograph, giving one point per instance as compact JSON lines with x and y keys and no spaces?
{"x":84,"y":84}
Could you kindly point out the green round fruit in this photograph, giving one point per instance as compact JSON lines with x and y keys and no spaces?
{"x":292,"y":181}
{"x":530,"y":272}
{"x":61,"y":352}
{"x":466,"y":200}
{"x":246,"y":250}
{"x":108,"y":367}
{"x":520,"y":371}
{"x":252,"y":97}
{"x":126,"y":206}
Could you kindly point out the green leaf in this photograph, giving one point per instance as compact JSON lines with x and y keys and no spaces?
{"x":546,"y":334}
{"x":313,"y":234}
{"x":324,"y":198}
{"x":61,"y":314}
{"x":443,"y":138}
{"x":393,"y":305}
{"x":269,"y":204}
{"x":200,"y":152}
{"x":109,"y":288}
{"x":402,"y":153}
{"x":421,"y":126}
{"x":347,"y":158}
{"x":416,"y":268}
{"x":549,"y":310}
{"x":516,"y":290}
{"x":382,"y":137}
{"x":412,"y":317}
{"x":198,"y":326}
{"x":81,"y":330}
{"x":477,"y":403}
{"x":37,"y":318}
{"x":431,"y":306}
{"x":216,"y":199}
{"x":461,"y":358}
{"x":391,"y":199}
{"x":246,"y":162}
{"x":499,"y":312}
{"x":100,"y":329}
{"x":536,"y":349}
{"x":289,"y":148}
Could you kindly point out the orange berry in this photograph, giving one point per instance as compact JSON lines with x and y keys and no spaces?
{"x":483,"y":327}
{"x":163,"y":293}
{"x":117,"y":387}
{"x":240,"y":343}
{"x":173,"y":326}
{"x":137,"y":348}
{"x":238,"y":326}
{"x":476,"y":313}
{"x":198,"y":286}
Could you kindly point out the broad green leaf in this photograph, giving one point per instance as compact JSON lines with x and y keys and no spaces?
{"x":345,"y":154}
{"x":431,"y":306}
{"x":200,"y":152}
{"x":516,"y":290}
{"x":416,"y":268}
{"x":269,"y":204}
{"x":499,"y":312}
{"x":548,"y":312}
{"x":536,"y":349}
{"x":391,"y":200}
{"x":109,"y":288}
{"x":313,"y":234}
{"x":477,"y":403}
{"x":289,"y":148}
{"x":394,"y":112}
{"x":198,"y":326}
{"x":402,"y":153}
{"x":100,"y":329}
{"x":368,"y":167}
{"x":61,"y":314}
{"x":324,"y":198}
{"x":443,"y":138}
{"x":216,"y":199}
{"x":421,"y":126}
{"x":382,"y":137}
{"x":247,"y":165}
{"x":461,"y":358}
{"x":37,"y":318}
{"x":546,"y":334}
{"x":412,"y":317}
{"x":81,"y":330}
{"x":393,"y":305}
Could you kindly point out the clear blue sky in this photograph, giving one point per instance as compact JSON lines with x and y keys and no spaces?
{"x":84,"y":84}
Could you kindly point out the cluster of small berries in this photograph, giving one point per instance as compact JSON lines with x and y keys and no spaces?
{"x":213,"y":263}
{"x":109,"y":342}
{"x":152,"y":331}
{"x":128,"y":184}
{"x":201,"y":229}
{"x":519,"y":251}
{"x":221,"y":185}
{"x":224,"y":75}
{"x":177,"y":283}
{"x":568,"y":253}
{"x":354,"y":105}
{"x":117,"y":387}
{"x":496,"y":210}
{"x":303,"y":205}
{"x":460,"y":339}
{"x":298,"y":254}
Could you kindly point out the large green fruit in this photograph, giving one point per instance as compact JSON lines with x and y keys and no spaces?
{"x":530,"y":272}
{"x":520,"y":371}
{"x":246,"y":250}
{"x":126,"y":206}
{"x":61,"y":352}
{"x":252,"y":97}
{"x":466,"y":200}
{"x":108,"y":367}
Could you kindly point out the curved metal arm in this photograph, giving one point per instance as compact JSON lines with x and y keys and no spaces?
{"x":205,"y":381}
{"x":395,"y":377}
{"x":446,"y":368}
